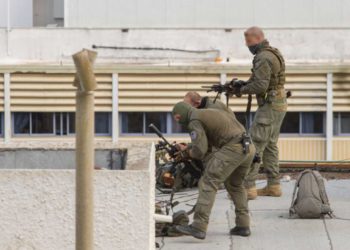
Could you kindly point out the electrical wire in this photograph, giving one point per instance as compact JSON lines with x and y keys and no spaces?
{"x":155,"y":48}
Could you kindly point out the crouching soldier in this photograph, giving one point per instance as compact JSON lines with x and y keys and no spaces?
{"x":229,"y":164}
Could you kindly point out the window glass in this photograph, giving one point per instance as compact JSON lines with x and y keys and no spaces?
{"x":58,"y":123}
{"x":71,"y":122}
{"x":345,"y":123}
{"x":102,"y":123}
{"x":21,"y":123}
{"x":336,"y":120}
{"x":312,"y":123}
{"x":132,"y":122}
{"x":158,"y":119}
{"x":42,"y":123}
{"x":290,"y":123}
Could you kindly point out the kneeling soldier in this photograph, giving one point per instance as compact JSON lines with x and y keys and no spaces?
{"x":229,"y":164}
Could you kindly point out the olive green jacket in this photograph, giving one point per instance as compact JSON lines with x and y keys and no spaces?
{"x":268,"y":63}
{"x":211,"y":128}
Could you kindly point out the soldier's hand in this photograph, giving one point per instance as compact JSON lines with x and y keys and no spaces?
{"x":181,"y":146}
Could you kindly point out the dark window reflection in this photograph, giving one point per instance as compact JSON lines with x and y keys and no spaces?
{"x":21,"y":123}
{"x":158,"y":119}
{"x":312,"y":123}
{"x":132,"y":122}
{"x":290,"y":123}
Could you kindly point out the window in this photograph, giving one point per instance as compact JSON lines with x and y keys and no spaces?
{"x":341,"y":123}
{"x":291,"y":123}
{"x":303,"y":123}
{"x":103,"y":123}
{"x":138,"y":122}
{"x":345,"y":123}
{"x":132,"y":123}
{"x":56,"y":123}
{"x":42,"y":123}
{"x":312,"y":123}
{"x":158,"y":119}
{"x":21,"y":123}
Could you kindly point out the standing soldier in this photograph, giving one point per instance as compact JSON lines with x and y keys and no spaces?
{"x":267,"y":83}
{"x":229,"y":164}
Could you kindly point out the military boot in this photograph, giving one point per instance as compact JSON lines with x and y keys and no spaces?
{"x":240,"y":231}
{"x":252,"y":193}
{"x":271,"y":190}
{"x":189,"y":230}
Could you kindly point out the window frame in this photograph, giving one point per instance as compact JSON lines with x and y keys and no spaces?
{"x":61,"y":134}
{"x":338,"y":124}
{"x":31,"y":134}
{"x":301,"y":134}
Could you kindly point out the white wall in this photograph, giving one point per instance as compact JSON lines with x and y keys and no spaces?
{"x":37,"y":209}
{"x":57,"y":45}
{"x":207,"y":13}
{"x":21,"y":13}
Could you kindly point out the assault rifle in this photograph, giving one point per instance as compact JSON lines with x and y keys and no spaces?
{"x":178,"y":166}
{"x":229,"y":89}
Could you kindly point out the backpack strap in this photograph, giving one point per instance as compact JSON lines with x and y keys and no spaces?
{"x":321,"y":186}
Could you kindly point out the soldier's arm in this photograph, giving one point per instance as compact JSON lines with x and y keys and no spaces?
{"x":261,"y":74}
{"x":199,"y":142}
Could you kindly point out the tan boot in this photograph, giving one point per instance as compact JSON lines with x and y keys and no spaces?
{"x":252,"y":193}
{"x":270,"y":190}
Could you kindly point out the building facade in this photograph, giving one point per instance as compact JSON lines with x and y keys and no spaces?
{"x":141,"y":79}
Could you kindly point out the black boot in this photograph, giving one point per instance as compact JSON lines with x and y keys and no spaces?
{"x":241,"y":231}
{"x":189,"y":230}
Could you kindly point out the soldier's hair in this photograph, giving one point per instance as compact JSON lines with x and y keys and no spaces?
{"x":254,"y":31}
{"x":193,"y":96}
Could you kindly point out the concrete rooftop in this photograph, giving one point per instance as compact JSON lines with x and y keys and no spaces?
{"x":271,"y":228}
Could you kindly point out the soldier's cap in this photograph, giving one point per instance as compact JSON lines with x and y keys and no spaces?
{"x":183,"y":109}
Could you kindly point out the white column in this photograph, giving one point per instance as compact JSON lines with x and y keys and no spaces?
{"x":223,"y":78}
{"x":7,"y":108}
{"x":329,"y":119}
{"x":115,"y":108}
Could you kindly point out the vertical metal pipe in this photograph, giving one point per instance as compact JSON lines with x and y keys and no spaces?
{"x":84,"y":121}
{"x":86,"y":83}
{"x":329,"y":118}
{"x":115,"y":108}
{"x":7,"y":108}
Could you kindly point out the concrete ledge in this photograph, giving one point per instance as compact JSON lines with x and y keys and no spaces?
{"x":37,"y":209}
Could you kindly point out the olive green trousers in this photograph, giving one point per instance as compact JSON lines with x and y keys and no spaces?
{"x":265,"y":132}
{"x":228,"y":165}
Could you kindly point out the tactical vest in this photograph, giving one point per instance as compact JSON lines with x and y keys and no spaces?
{"x":219,"y":126}
{"x":278,"y":78}
{"x":275,"y":94}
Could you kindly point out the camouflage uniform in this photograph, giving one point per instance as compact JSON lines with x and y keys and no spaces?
{"x":267,"y":82}
{"x":228,"y":164}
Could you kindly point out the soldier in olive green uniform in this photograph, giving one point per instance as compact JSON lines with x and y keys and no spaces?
{"x":228,"y":164}
{"x":267,"y":83}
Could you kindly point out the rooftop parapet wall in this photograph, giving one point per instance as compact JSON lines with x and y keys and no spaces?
{"x":37,"y":208}
{"x":54,"y":46}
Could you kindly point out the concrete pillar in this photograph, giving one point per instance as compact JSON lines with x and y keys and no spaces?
{"x":223,"y":79}
{"x":115,"y":108}
{"x":7,"y":108}
{"x":329,"y":118}
{"x":85,"y":133}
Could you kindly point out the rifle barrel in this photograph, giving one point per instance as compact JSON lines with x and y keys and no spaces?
{"x":157,"y":131}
